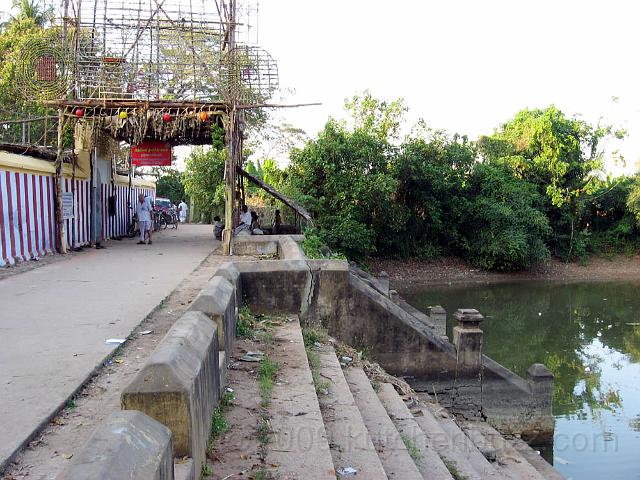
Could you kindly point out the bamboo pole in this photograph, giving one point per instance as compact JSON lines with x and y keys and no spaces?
{"x":229,"y":184}
{"x":61,"y":245}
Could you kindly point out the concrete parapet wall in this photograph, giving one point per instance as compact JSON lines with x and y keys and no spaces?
{"x":359,"y":315}
{"x":218,"y":302}
{"x":285,"y":247}
{"x":229,"y":272}
{"x":255,"y":245}
{"x":289,"y":249}
{"x":275,"y":286}
{"x":128,"y":444}
{"x":512,"y":404}
{"x":178,"y":386}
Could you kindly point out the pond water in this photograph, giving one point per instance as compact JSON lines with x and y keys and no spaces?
{"x":588,"y":334}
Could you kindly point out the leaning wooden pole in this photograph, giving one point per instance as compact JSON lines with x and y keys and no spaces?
{"x":61,"y":244}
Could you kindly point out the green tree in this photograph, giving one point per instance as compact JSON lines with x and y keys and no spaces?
{"x":561,"y":156}
{"x":34,"y":10}
{"x":430,"y":171}
{"x":377,"y":117}
{"x":203,"y":180}
{"x":170,"y":185}
{"x":502,"y":225}
{"x":343,"y":178}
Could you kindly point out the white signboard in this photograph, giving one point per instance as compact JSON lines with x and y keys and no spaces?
{"x":67,"y":205}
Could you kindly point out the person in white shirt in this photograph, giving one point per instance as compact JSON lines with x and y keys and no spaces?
{"x":245,"y":221}
{"x":182,"y":209}
{"x":143,"y":210}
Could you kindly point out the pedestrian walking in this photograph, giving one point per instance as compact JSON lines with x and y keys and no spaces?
{"x":182,"y":209}
{"x":143,"y":210}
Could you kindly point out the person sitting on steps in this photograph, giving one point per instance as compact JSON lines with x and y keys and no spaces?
{"x":245,"y":221}
{"x":255,"y":224}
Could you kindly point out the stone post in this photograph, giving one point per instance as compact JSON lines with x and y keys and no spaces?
{"x":541,"y":420}
{"x":467,"y":338}
{"x":383,"y":283}
{"x":438,"y":318}
{"x":541,"y":381}
{"x":394,"y":296}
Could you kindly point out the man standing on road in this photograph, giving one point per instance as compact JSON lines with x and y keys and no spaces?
{"x":143,"y":210}
{"x":182,"y":208}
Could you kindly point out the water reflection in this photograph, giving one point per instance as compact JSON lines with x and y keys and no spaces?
{"x":588,"y":335}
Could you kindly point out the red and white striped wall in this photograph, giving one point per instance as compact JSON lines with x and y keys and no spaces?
{"x":77,"y":228}
{"x":26,"y":216}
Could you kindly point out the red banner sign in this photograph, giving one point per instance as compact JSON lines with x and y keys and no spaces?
{"x":151,"y":154}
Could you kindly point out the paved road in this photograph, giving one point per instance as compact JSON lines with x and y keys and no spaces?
{"x":54,"y":320}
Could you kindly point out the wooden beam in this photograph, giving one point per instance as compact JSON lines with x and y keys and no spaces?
{"x":274,"y":193}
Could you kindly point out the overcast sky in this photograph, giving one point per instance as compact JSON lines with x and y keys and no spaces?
{"x":465,"y":66}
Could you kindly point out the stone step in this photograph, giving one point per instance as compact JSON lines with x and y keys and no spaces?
{"x":508,"y":459}
{"x":349,"y":440}
{"x":535,"y":459}
{"x":299,"y":441}
{"x":425,"y":456}
{"x":394,"y":455}
{"x":455,"y":460}
{"x":461,"y":443}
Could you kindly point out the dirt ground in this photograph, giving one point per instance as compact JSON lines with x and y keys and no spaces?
{"x":453,"y":270}
{"x":237,"y":452}
{"x":46,"y":456}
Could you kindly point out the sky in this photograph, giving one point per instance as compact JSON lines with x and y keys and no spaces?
{"x":465,"y":66}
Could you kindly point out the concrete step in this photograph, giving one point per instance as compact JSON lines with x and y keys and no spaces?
{"x":508,"y":459}
{"x":349,"y":440}
{"x":540,"y":464}
{"x":425,"y":457}
{"x":394,"y":455}
{"x":463,"y":444}
{"x":455,"y":460}
{"x":299,"y":444}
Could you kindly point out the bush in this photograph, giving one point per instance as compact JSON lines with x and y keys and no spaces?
{"x":503,"y":225}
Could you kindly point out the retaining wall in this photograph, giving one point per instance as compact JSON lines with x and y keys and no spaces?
{"x":411,"y":346}
{"x":179,"y":384}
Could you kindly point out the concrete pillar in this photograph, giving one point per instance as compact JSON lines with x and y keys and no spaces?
{"x":438,"y":318}
{"x":467,"y":337}
{"x":383,"y":283}
{"x":541,"y":381}
{"x":394,"y":296}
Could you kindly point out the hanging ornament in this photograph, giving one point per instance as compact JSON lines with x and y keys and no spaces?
{"x":79,"y":112}
{"x":203,"y":116}
{"x":123,"y":114}
{"x":166,"y":117}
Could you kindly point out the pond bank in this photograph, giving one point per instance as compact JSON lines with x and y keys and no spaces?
{"x":410,"y":272}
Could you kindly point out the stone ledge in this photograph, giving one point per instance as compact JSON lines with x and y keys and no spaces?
{"x":128,"y":444}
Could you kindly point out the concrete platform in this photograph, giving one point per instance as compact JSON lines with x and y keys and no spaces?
{"x":55,"y":320}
